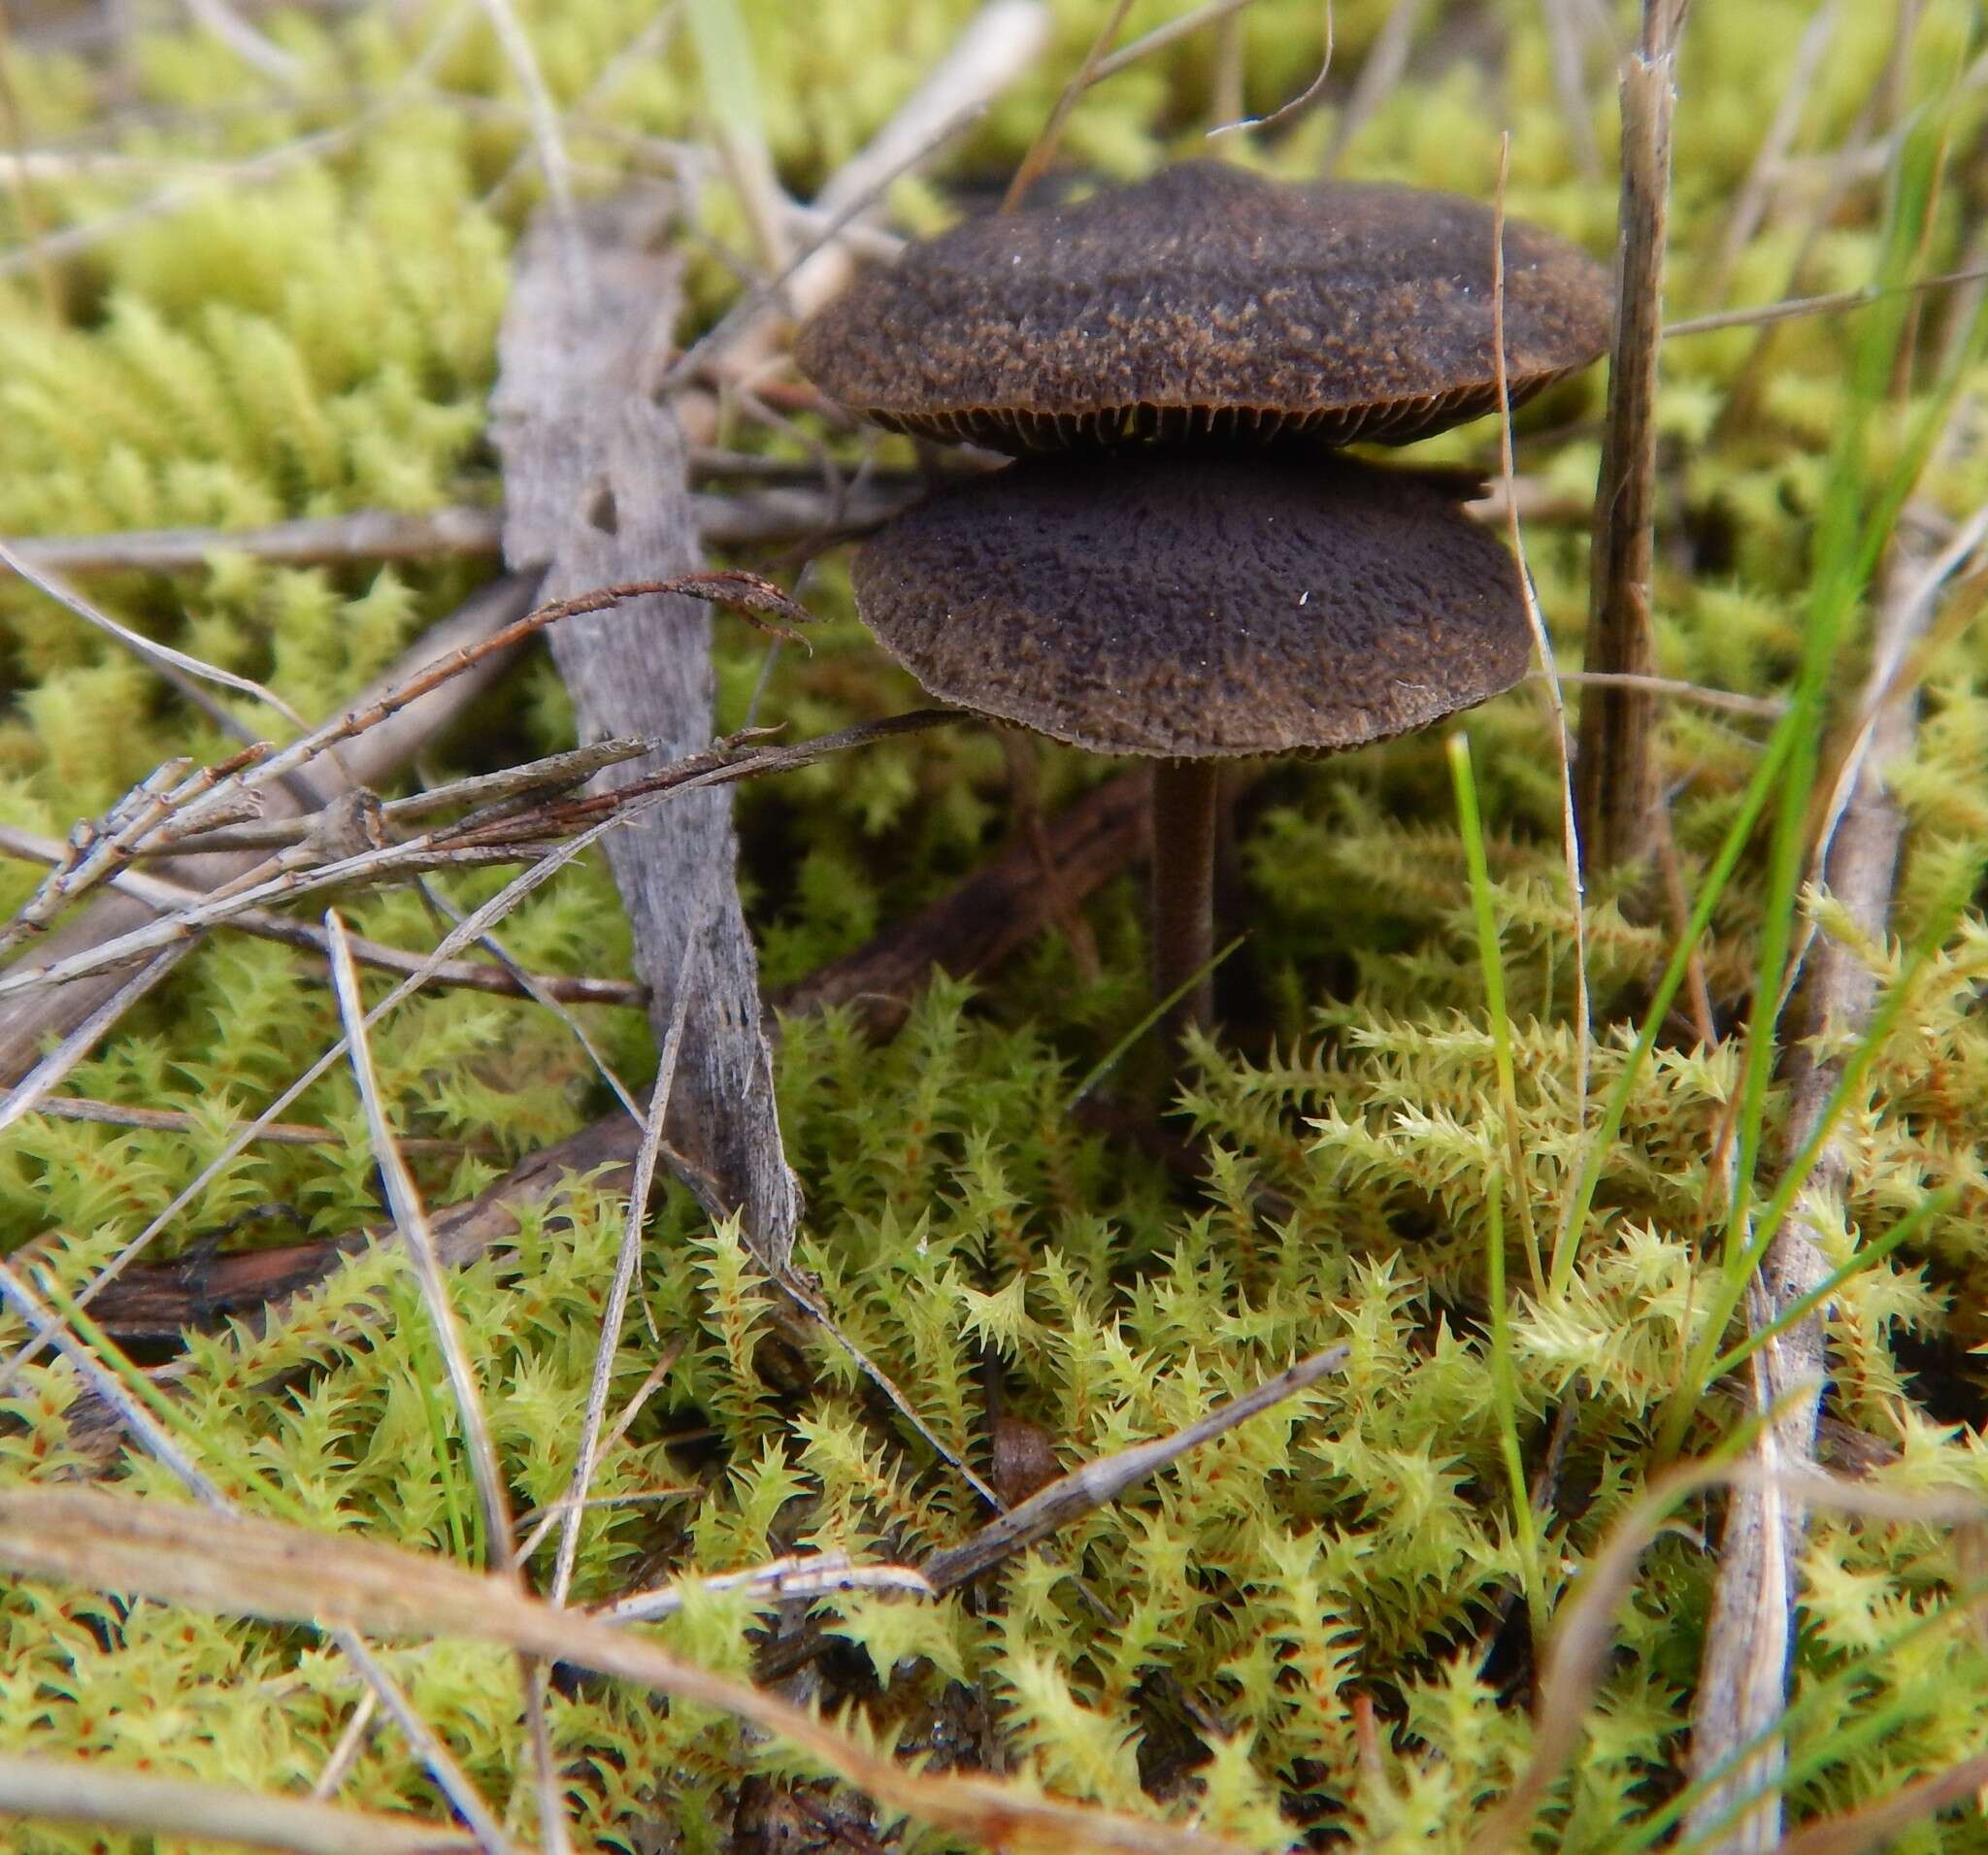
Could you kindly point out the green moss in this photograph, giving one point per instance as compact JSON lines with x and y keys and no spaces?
{"x":1314,"y":1625}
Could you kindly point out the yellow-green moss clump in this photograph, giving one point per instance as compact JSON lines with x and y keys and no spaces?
{"x":1315,"y":1628}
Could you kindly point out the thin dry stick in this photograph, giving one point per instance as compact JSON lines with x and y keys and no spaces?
{"x":1751,"y":1629}
{"x":499,"y":905}
{"x":982,"y":921}
{"x":1729,"y":701}
{"x":1543,"y":642}
{"x":1617,"y":776}
{"x":446,"y":911}
{"x":1105,"y":1479}
{"x":158,"y":893}
{"x":806,"y":1297}
{"x":85,"y":1791}
{"x":351,"y":1744}
{"x":1164,"y":35}
{"x":160,"y":1120}
{"x":1000,"y":42}
{"x":241,"y":1566}
{"x":544,"y":116}
{"x":1042,"y":150}
{"x":381,"y":751}
{"x":95,"y":850}
{"x":369,"y":534}
{"x":464,"y":934}
{"x":147,"y":1429}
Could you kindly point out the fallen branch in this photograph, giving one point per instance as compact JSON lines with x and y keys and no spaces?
{"x":230,"y":1563}
{"x":89,"y":1791}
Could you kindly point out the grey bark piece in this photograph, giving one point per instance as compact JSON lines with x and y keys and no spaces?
{"x":596,"y":491}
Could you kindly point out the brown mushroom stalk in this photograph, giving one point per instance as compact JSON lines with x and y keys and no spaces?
{"x":1188,"y":797}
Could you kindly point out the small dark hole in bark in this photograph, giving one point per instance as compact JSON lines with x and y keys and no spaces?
{"x":603,"y":514}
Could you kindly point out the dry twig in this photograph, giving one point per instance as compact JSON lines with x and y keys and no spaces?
{"x":1077,"y":1493}
{"x":89,"y":1791}
{"x":239,"y":1566}
{"x":1617,"y":778}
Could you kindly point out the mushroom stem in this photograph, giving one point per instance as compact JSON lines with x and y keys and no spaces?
{"x":1186,"y":796}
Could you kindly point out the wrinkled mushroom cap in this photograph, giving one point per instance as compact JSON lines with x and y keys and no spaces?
{"x":1194,"y":605}
{"x":1208,"y":301}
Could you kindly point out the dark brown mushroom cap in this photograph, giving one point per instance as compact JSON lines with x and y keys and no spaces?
{"x":1195,"y":604}
{"x":1207,"y":299}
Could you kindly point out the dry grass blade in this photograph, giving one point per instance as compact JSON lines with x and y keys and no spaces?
{"x":1879,"y":1825}
{"x":411,"y":1219}
{"x":238,"y":1566}
{"x":626,"y":1259}
{"x":87,"y":1791}
{"x":185,"y":672}
{"x":1617,"y":775}
{"x":1542,"y":642}
{"x":47,"y":1075}
{"x":1042,"y":150}
{"x":1750,"y":1633}
{"x":1232,"y":50}
{"x":808,"y":1574}
{"x":1104,"y":1479}
{"x":1584,"y":1633}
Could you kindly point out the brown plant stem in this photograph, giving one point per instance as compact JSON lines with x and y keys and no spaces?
{"x":1617,"y":789}
{"x":1186,"y":802}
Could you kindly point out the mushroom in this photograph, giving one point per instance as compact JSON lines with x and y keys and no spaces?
{"x":1207,"y":301}
{"x":1196,"y":605}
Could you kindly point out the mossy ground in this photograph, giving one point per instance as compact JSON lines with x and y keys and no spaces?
{"x":320,"y":337}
